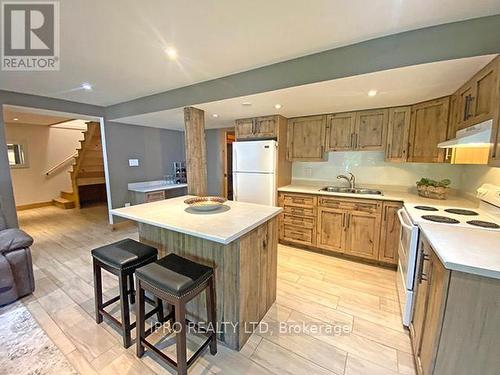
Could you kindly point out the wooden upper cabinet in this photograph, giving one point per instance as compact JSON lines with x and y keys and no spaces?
{"x":306,"y":138}
{"x":389,"y":233}
{"x":477,"y":99}
{"x":428,"y":127}
{"x":464,"y":105}
{"x":398,"y":131}
{"x":371,"y":129}
{"x":257,"y":128}
{"x":244,"y":128}
{"x":266,"y":127}
{"x":485,"y":92}
{"x":340,"y":131}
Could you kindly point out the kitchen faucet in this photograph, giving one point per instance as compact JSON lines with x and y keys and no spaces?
{"x":351,"y":179}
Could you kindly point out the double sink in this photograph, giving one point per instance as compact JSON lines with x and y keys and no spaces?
{"x":337,"y":189}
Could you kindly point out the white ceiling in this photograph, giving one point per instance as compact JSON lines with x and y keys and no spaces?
{"x":118,"y":45}
{"x":395,"y":87}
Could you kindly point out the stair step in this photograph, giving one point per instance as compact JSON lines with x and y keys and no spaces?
{"x":69,"y":195}
{"x":90,"y":181}
{"x":63,"y":203}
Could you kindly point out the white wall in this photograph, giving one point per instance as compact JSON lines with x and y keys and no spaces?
{"x":370,"y":168}
{"x":46,"y":147}
{"x":475,"y":175}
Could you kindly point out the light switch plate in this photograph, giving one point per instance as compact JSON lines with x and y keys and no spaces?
{"x":133,"y":162}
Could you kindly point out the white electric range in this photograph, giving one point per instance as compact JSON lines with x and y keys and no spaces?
{"x":485,"y":217}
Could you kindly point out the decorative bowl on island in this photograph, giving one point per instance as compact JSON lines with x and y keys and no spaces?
{"x":205,"y":203}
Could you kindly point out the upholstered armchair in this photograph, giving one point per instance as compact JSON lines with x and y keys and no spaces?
{"x":16,"y":267}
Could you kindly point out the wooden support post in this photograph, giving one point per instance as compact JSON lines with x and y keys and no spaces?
{"x":196,"y":154}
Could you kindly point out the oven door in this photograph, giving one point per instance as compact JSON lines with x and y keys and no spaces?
{"x":407,"y":249}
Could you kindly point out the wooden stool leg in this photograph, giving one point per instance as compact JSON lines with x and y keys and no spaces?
{"x":132,"y":291}
{"x":97,"y":291}
{"x":140,"y":321}
{"x":124,"y":309}
{"x":211,"y":311}
{"x":159,"y":306}
{"x":180,"y":338}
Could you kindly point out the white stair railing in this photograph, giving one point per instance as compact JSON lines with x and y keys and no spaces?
{"x":56,"y":167}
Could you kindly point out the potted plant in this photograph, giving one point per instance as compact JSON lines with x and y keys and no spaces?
{"x":429,"y":188}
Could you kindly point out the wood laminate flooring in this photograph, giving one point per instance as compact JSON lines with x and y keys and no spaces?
{"x":342,"y":317}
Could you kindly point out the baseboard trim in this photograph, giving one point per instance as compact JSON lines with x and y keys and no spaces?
{"x":23,"y":207}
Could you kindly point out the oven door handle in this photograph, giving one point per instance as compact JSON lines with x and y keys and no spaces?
{"x":402,"y":221}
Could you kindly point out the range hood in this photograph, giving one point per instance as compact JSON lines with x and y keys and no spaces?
{"x":474,"y":136}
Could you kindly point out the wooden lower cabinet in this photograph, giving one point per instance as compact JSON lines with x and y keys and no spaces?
{"x":297,"y":223}
{"x":331,"y":229}
{"x":362,"y":234}
{"x":390,"y":232}
{"x":352,"y":226}
{"x":456,"y":319}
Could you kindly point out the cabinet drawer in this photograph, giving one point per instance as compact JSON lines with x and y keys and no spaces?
{"x":361,"y":205}
{"x":304,"y":222}
{"x":297,"y":234}
{"x":155,"y":196}
{"x":298,"y":200}
{"x":330,"y":202}
{"x":300,"y":211}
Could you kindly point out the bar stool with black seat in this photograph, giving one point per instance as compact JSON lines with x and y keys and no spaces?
{"x":177,"y":281}
{"x":122,"y":258}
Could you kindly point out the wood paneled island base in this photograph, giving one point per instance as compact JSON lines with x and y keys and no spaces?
{"x":245,"y":275}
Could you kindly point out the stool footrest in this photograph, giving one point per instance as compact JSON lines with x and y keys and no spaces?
{"x":170,"y":360}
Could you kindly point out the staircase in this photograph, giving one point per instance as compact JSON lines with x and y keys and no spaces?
{"x":87,"y":169}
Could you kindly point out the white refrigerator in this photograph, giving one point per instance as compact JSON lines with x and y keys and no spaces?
{"x":254,"y":172}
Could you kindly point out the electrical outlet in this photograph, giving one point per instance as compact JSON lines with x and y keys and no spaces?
{"x":127,"y":204}
{"x":133,"y":162}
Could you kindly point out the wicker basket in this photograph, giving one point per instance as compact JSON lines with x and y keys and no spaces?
{"x":433,"y":192}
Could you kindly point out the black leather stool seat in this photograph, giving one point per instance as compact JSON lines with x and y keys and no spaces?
{"x":174,"y":275}
{"x":125,"y":254}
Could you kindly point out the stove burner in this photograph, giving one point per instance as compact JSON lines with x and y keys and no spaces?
{"x":440,"y":219}
{"x":459,"y":211}
{"x":426,"y":208}
{"x":484,"y":224}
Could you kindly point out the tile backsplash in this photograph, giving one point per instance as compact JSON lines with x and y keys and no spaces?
{"x":371,"y":168}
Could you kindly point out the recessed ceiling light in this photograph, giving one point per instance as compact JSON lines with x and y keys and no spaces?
{"x":215,"y":115}
{"x":15,"y":119}
{"x":86,"y":86}
{"x":372,"y":92}
{"x":247,"y":104}
{"x":171,"y":53}
{"x":277,"y":106}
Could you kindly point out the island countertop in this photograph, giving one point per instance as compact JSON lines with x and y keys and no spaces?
{"x":224,"y":225}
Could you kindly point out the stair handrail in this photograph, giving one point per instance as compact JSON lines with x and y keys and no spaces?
{"x":57,"y":166}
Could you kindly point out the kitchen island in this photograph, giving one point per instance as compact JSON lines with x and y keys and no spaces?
{"x":239,"y":240}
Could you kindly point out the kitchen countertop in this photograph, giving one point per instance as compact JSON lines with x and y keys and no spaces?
{"x":224,"y":225}
{"x":149,"y":186}
{"x":468,"y":250}
{"x":390,"y":194}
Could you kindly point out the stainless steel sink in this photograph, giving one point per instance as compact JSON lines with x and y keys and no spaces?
{"x":337,"y":189}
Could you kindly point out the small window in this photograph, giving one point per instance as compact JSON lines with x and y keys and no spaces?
{"x":17,"y":155}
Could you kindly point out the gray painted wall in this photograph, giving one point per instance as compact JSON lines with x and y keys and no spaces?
{"x":155,"y":148}
{"x":214,"y":161}
{"x":455,"y":40}
{"x":7,"y":202}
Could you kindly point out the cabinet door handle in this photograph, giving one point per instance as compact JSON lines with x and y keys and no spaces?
{"x":348,"y":221}
{"x":352,"y":140}
{"x":343,"y":220}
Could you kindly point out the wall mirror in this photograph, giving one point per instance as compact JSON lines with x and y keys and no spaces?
{"x":17,"y":155}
